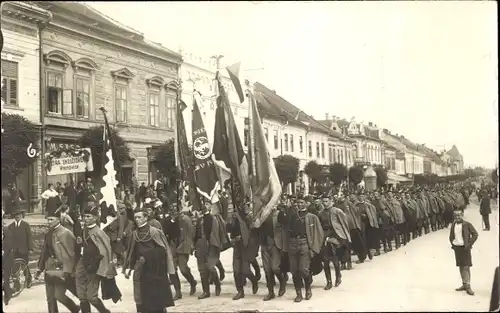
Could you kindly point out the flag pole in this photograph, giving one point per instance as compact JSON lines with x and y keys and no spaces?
{"x":251,"y":137}
{"x":178,"y":175}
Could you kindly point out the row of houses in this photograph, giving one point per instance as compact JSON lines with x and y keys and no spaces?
{"x":62,"y":61}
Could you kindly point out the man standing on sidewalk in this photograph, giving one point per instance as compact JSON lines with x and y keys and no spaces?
{"x":462,"y":236}
{"x":485,"y":210}
{"x":22,"y":246}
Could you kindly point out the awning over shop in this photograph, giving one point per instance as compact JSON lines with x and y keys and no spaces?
{"x":394,"y":178}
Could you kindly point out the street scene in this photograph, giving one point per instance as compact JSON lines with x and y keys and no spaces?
{"x":148,"y":170}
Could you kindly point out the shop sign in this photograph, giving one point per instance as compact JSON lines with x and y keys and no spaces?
{"x":75,"y":161}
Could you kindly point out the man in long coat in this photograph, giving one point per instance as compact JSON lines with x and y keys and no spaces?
{"x":94,"y":264}
{"x":485,"y":210}
{"x":386,"y":222}
{"x":306,"y":239}
{"x":210,"y":239}
{"x":149,"y":255}
{"x":356,"y":228}
{"x":274,"y":243}
{"x":240,"y":235}
{"x":399,"y":219}
{"x":369,"y":217}
{"x":23,"y":243}
{"x":58,"y":260}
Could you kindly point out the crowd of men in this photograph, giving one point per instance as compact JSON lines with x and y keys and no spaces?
{"x":302,"y":237}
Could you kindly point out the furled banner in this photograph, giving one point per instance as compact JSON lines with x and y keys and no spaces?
{"x":205,"y":176}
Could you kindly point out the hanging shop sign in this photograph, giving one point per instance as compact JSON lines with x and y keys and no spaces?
{"x":68,"y":161}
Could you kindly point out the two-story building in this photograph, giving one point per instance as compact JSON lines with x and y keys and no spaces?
{"x":198,"y":73}
{"x":392,"y":143}
{"x":456,"y":160}
{"x":369,"y":146}
{"x":92,"y":61}
{"x":414,"y":158}
{"x":21,"y":26}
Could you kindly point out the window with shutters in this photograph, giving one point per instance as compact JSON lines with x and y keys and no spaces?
{"x":154,"y":109}
{"x":286,"y":142}
{"x":10,"y":83}
{"x":121,"y":103}
{"x":170,"y":106}
{"x":323,"y":150}
{"x":55,"y":94}
{"x":317,"y":150}
{"x":291,"y":143}
{"x":275,"y":133}
{"x":82,"y":90}
{"x":301,"y":145}
{"x":309,"y":147}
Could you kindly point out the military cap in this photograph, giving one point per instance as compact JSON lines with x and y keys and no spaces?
{"x":92,"y":210}
{"x":54,"y":212}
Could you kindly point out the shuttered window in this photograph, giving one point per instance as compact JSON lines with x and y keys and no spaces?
{"x":9,"y":83}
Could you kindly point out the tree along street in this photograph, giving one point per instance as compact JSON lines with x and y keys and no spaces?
{"x":418,"y":277}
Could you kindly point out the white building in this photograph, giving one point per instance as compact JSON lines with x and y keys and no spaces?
{"x":21,"y":27}
{"x":198,"y":72}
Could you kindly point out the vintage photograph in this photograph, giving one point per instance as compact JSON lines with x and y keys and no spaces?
{"x":249,"y":156}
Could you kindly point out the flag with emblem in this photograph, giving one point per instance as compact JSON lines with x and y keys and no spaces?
{"x":205,"y":176}
{"x":110,"y":176}
{"x":228,"y":153}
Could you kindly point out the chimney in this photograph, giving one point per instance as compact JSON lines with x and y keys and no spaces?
{"x":327,"y":116}
{"x":370,"y":124}
{"x":385,"y":130}
{"x":402,"y":136}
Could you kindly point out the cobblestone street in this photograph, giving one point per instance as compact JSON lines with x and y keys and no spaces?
{"x":402,"y":280}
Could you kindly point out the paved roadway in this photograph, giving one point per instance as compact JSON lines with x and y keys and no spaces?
{"x":419,"y":277}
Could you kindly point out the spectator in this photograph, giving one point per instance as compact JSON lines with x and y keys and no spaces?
{"x":51,"y":197}
{"x":22,"y":245}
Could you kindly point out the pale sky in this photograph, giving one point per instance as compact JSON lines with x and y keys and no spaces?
{"x":426,"y":70}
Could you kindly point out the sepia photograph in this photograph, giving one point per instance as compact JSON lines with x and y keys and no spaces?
{"x":249,"y":156}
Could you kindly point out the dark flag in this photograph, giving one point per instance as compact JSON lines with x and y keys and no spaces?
{"x":228,"y":153}
{"x":108,"y":200}
{"x":234,"y":72}
{"x":205,"y":176}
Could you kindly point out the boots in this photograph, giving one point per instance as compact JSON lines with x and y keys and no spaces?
{"x":189,"y":277}
{"x":270,"y":287}
{"x":217,"y":284}
{"x":206,"y":287}
{"x":85,"y":306}
{"x":338,"y":275}
{"x":238,"y":281}
{"x":100,"y":306}
{"x":469,"y":290}
{"x":52,"y":306}
{"x":256,"y":269}
{"x":70,"y":304}
{"x":328,"y":275}
{"x":298,"y":298}
{"x":174,"y":278}
{"x":240,"y":294}
{"x":222,"y":271}
{"x":282,"y":281}
{"x":461,"y":288}
{"x":270,"y":295}
{"x":349,"y":265}
{"x":138,"y":308}
{"x":377,"y":252}
{"x":307,"y":284}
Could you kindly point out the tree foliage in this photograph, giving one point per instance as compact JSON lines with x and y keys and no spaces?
{"x":381,"y":175}
{"x":92,"y":138}
{"x":338,"y":173}
{"x":313,"y":170}
{"x":356,"y":174}
{"x":287,"y":167}
{"x":426,"y":179}
{"x":165,"y":162}
{"x":494,"y":175}
{"x":17,"y":135}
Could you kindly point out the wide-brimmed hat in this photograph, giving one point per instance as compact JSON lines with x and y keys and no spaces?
{"x":18,"y":211}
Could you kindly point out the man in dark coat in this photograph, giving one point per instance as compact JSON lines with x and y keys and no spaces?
{"x":485,"y":210}
{"x":58,"y":260}
{"x":240,"y":235}
{"x":23,"y":243}
{"x":7,"y":260}
{"x":306,"y":239}
{"x":369,"y":217}
{"x":463,"y":235}
{"x":274,"y":242}
{"x":94,"y":264}
{"x":210,"y":236}
{"x":149,"y":255}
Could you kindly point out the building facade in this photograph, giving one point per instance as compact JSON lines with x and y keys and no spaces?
{"x":21,"y":27}
{"x":91,"y":61}
{"x":198,"y":73}
{"x":369,"y":146}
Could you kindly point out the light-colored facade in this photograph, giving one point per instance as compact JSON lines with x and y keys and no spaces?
{"x":91,"y":61}
{"x":198,"y":73}
{"x":369,"y":147}
{"x":21,"y":26}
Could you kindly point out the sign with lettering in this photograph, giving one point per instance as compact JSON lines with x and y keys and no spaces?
{"x":53,"y":146}
{"x":78,"y":161}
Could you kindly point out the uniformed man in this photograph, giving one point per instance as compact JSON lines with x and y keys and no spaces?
{"x":209,"y":238}
{"x":306,"y":240}
{"x":242,"y":251}
{"x":95,"y":262}
{"x":58,"y":260}
{"x":274,"y":242}
{"x":369,"y":217}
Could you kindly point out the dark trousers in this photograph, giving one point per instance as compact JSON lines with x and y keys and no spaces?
{"x":25,"y":257}
{"x":300,"y":260}
{"x":56,"y":292}
{"x":181,"y":261}
{"x":358,"y":244}
{"x":330,"y":254}
{"x":241,"y":266}
{"x":403,"y":232}
{"x":486,"y":220}
{"x":206,"y":262}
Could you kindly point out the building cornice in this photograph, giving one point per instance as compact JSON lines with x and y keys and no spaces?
{"x":23,"y":11}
